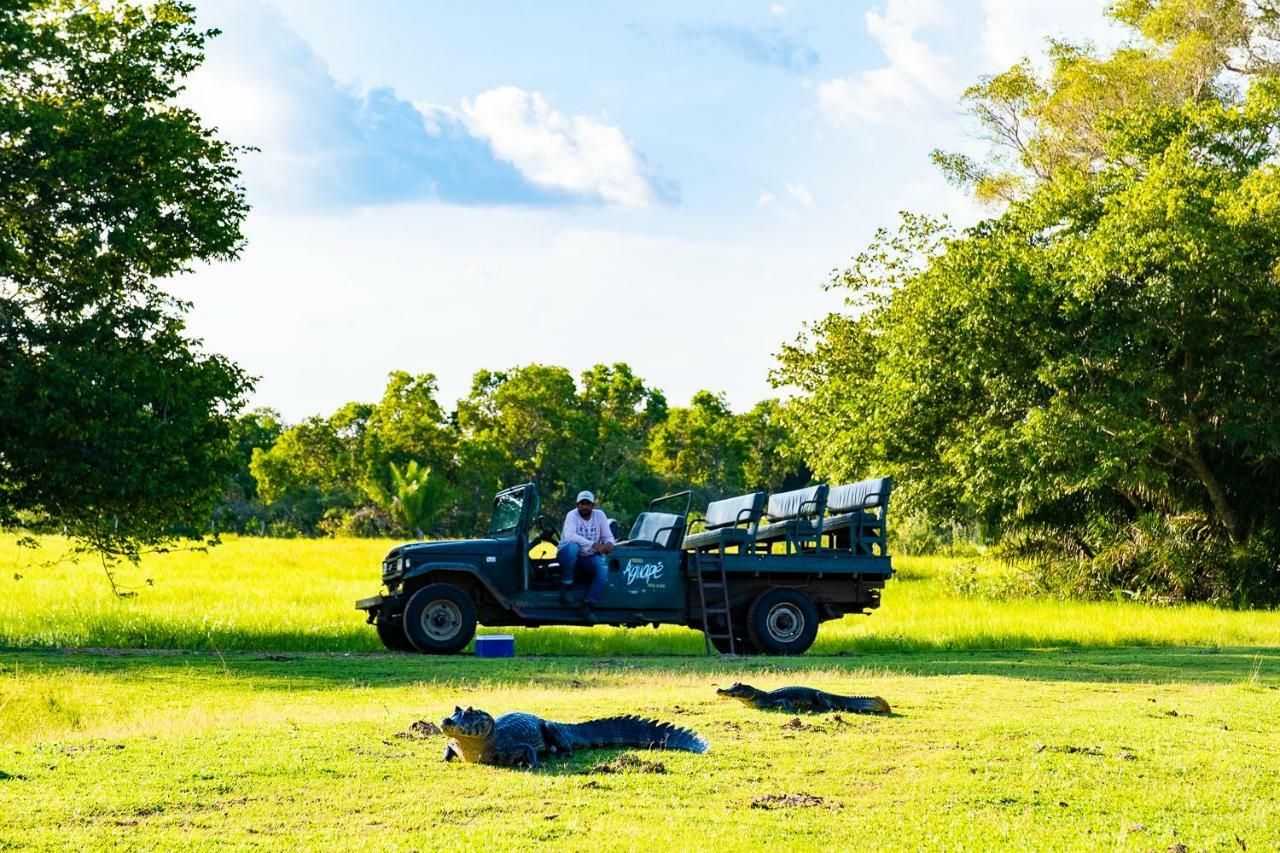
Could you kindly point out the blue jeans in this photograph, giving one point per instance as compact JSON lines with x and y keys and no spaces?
{"x":570,"y":559}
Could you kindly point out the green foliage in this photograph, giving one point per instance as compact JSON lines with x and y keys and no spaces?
{"x":519,"y":425}
{"x":1102,"y":354}
{"x":609,"y":432}
{"x":406,"y":428}
{"x":417,"y":496}
{"x":720,"y":454}
{"x":113,"y":423}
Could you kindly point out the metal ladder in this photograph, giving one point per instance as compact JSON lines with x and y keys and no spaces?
{"x":703,"y":561}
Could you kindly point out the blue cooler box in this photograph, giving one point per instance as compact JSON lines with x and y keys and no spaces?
{"x":495,"y":646}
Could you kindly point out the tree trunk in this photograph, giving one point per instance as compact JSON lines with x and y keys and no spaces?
{"x":1217,"y":494}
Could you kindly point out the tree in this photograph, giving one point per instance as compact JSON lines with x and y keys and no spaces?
{"x":524,"y":424}
{"x":624,"y":411}
{"x":700,"y":447}
{"x":771,"y":461}
{"x":407,"y":427}
{"x":418,"y":496}
{"x":113,"y":423}
{"x":720,"y":454}
{"x":1096,"y":368}
{"x":258,"y":429}
{"x":314,"y":467}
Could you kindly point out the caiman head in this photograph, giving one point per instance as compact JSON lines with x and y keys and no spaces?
{"x":737,"y":690}
{"x":468,"y":723}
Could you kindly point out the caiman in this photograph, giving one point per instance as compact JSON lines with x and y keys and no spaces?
{"x":523,"y":739}
{"x":804,"y":699}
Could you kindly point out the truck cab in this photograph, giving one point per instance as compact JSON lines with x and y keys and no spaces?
{"x":434,"y":593}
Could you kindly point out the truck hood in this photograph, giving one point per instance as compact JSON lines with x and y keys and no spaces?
{"x":420,"y":551}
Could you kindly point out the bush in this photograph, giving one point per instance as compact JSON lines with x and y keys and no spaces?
{"x":365,"y":522}
{"x":1159,"y":559}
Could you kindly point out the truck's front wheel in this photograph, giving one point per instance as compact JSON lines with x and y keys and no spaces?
{"x":783,"y":622}
{"x":391,"y":633}
{"x":440,"y":619}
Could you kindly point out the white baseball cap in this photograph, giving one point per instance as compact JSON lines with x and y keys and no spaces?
{"x":584,"y":495}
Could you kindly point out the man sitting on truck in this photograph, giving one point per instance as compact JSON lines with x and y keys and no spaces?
{"x":584,"y":542}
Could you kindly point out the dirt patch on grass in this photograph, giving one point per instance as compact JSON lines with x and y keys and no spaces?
{"x":791,"y":801}
{"x":628,"y":763}
{"x":421,"y":730}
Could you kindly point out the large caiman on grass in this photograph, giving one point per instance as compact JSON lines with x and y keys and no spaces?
{"x":519,"y":739}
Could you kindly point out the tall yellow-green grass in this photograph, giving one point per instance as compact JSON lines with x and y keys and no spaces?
{"x":298,"y":595}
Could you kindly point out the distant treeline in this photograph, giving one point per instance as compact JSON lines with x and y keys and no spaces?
{"x":405,"y":466}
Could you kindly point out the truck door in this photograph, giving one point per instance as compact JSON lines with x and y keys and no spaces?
{"x":643,"y":579}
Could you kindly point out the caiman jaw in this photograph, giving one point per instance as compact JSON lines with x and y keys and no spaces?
{"x":471,"y":746}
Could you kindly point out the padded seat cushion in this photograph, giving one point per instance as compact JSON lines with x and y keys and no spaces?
{"x":780,"y":529}
{"x":744,"y":509}
{"x":840,"y":522}
{"x":861,"y":495}
{"x":729,"y":535}
{"x":663,"y":528}
{"x":785,"y":505}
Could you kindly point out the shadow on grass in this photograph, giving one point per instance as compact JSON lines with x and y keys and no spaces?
{"x":318,"y":671}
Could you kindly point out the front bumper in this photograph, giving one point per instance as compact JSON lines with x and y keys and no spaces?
{"x":375,"y":605}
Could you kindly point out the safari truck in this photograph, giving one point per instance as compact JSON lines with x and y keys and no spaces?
{"x":758,"y":574}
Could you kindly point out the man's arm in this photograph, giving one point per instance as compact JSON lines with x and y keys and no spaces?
{"x":569,"y":533}
{"x":607,"y":539}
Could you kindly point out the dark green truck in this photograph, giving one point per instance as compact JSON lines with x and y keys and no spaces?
{"x":758,"y":577}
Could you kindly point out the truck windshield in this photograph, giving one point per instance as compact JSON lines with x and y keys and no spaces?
{"x":506,"y":512}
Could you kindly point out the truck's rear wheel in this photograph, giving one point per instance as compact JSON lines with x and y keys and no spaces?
{"x":782,"y":622}
{"x":440,"y":619}
{"x":391,"y":633}
{"x":742,"y":644}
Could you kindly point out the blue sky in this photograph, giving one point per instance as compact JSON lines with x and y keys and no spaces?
{"x":442,"y":187}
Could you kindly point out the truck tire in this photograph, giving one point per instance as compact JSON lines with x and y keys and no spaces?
{"x":391,"y":633}
{"x":742,"y":644}
{"x":440,"y":619}
{"x":782,"y":622}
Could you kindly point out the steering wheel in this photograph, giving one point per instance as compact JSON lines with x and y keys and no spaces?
{"x":547,"y":531}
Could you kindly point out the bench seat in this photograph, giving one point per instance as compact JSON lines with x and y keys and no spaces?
{"x":859,"y":508}
{"x":656,"y":530}
{"x":730,"y":521}
{"x":795,"y":517}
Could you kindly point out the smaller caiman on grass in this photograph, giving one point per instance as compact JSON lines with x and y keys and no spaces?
{"x":523,"y":739}
{"x":804,"y":699}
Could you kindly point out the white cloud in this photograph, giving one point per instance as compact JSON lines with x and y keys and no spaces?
{"x":915,"y":80}
{"x":576,"y":154}
{"x":1018,"y":28}
{"x":323,"y":144}
{"x":800,"y":194}
{"x":766,"y":199}
{"x":777,"y":9}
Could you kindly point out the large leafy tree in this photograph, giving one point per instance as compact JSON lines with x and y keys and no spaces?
{"x":1095,"y":369}
{"x":523,"y":424}
{"x":407,"y":426}
{"x":114,"y":425}
{"x":718,"y":453}
{"x":624,"y":411}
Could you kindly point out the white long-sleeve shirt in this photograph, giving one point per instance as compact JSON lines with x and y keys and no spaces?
{"x":586,"y":532}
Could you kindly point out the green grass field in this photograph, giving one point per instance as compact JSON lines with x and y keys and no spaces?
{"x":298,"y":595}
{"x":1031,"y":725}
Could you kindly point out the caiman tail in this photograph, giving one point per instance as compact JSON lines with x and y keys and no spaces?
{"x":864,"y":704}
{"x":628,"y":731}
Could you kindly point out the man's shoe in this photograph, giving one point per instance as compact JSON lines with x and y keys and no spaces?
{"x":589,"y":610}
{"x":564,"y":595}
